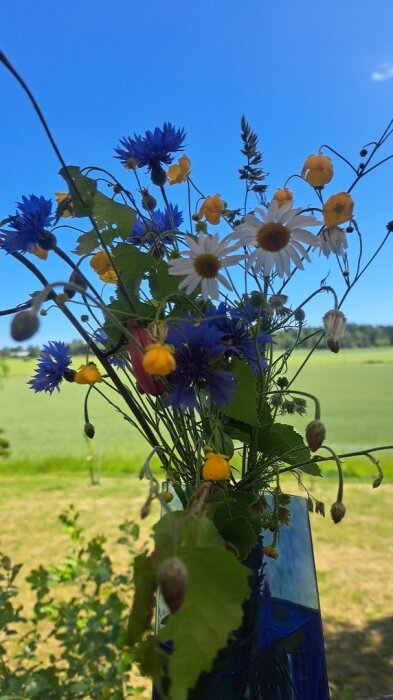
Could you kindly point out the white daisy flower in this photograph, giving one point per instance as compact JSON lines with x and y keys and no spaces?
{"x":202,"y":263}
{"x":278,"y":236}
{"x":333,"y":240}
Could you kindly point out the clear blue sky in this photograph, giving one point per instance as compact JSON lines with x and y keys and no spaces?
{"x":304,"y":72}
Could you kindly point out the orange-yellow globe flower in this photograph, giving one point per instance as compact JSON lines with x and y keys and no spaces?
{"x":64,"y":203}
{"x":39,"y":252}
{"x":101,"y":264}
{"x":178,"y":172}
{"x":158,"y":359}
{"x":337,"y":209}
{"x":212,"y":209}
{"x":216,"y":467}
{"x":88,"y":374}
{"x":317,"y":170}
{"x":283,"y":196}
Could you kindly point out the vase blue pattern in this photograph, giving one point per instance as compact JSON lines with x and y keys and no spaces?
{"x":278,"y":652}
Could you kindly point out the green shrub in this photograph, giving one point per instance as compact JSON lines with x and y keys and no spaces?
{"x":73,"y":644}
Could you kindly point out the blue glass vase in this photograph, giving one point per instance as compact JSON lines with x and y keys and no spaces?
{"x":278,"y":652}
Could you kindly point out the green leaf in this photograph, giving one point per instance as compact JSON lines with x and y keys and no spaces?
{"x":143,"y":603}
{"x":87,"y":242}
{"x":115,"y":220}
{"x":313,"y":469}
{"x":239,"y":431}
{"x":161,"y":283}
{"x":80,"y":188}
{"x":240,"y":533}
{"x":151,"y":658}
{"x":243,"y":406}
{"x":281,"y":440}
{"x":212,"y":609}
{"x":132,"y":265}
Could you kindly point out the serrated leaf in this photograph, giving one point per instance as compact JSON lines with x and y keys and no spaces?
{"x":132,"y":265}
{"x":313,"y":469}
{"x":161,"y":283}
{"x":243,"y":406}
{"x":87,"y":242}
{"x":217,"y":588}
{"x":143,"y":604}
{"x":240,"y":533}
{"x":282,"y":441}
{"x":115,"y":220}
{"x":82,"y":190}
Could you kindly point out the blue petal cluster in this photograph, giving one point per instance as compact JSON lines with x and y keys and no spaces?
{"x":146,"y":232}
{"x":33,"y":216}
{"x":152,"y":149}
{"x":53,"y":362}
{"x":237,"y":338}
{"x":198,"y":353}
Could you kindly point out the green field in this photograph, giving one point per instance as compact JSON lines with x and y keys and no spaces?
{"x":46,"y":432}
{"x":351,"y":558}
{"x":48,"y":469}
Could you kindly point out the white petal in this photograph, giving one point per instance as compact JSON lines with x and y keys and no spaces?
{"x":301,"y":249}
{"x":231,"y":260}
{"x":268,"y":262}
{"x":300,"y":234}
{"x":252,"y":258}
{"x":223,"y":280}
{"x":280,"y":267}
{"x":295,"y":257}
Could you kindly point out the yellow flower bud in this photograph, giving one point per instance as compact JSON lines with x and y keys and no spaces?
{"x":212,"y":209}
{"x":271,"y":552}
{"x":158,"y":359}
{"x":337,"y":209}
{"x":179,"y":171}
{"x":216,"y":467}
{"x":317,"y":170}
{"x":39,"y":252}
{"x":88,"y":374}
{"x":101,"y":264}
{"x":167,"y":496}
{"x":283,"y":196}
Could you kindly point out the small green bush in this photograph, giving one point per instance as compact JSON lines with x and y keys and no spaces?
{"x":73,"y":644}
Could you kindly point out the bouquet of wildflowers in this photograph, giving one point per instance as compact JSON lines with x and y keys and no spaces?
{"x":181,"y":306}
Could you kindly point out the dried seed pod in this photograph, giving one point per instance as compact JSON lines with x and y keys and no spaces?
{"x":315,"y":434}
{"x":89,"y":430}
{"x":173,"y":581}
{"x":24,"y":325}
{"x":337,"y":511}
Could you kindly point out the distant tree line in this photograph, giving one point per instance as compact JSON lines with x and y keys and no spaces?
{"x":356,"y":336}
{"x":77,"y":347}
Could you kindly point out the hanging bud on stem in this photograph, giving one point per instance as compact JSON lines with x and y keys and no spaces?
{"x":173,"y":582}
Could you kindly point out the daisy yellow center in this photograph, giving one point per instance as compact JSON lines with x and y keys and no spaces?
{"x":207,"y":265}
{"x":273,"y":237}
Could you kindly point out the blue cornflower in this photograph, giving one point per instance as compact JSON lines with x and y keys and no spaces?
{"x":152,"y":149}
{"x":151,"y":232}
{"x":27,"y":226}
{"x":101,"y":337}
{"x":198,"y":352}
{"x":52,"y":365}
{"x":237,"y":336}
